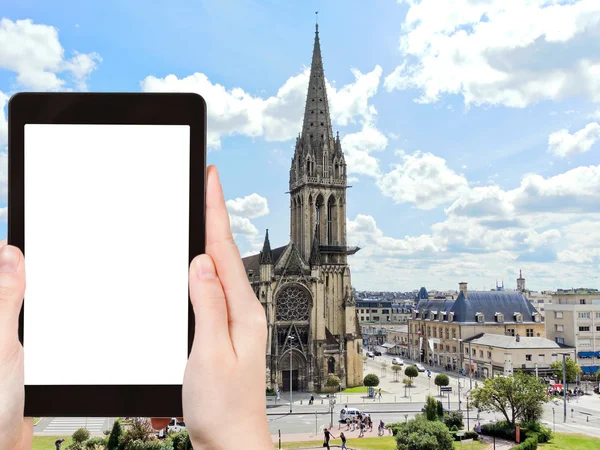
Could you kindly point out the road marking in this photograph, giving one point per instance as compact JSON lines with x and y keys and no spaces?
{"x":71,"y":424}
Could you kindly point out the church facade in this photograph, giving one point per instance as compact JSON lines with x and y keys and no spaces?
{"x":305,"y":286}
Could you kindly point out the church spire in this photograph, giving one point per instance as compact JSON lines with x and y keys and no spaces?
{"x":317,"y":121}
{"x":266,"y":256}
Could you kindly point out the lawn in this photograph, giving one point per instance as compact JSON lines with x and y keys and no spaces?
{"x":562,"y":441}
{"x":47,"y":442}
{"x":374,"y":443}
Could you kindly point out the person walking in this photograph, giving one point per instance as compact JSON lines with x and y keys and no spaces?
{"x":328,"y":436}
{"x":343,"y":438}
{"x":381,"y":428}
{"x":58,"y":443}
{"x":362,"y":429}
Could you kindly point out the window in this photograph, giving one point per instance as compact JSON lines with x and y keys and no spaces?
{"x":489,"y":354}
{"x":434,"y":332}
{"x":447,"y":333}
{"x":499,"y":317}
{"x":453,"y":349}
{"x":527,"y":357}
{"x":450,"y":317}
{"x":385,"y":311}
{"x":518,"y":317}
{"x":560,"y":340}
{"x":559,"y":328}
{"x":558,"y":314}
{"x":481,"y":353}
{"x":510,"y":331}
{"x":473,"y":352}
{"x":428,"y":331}
{"x":447,"y":348}
{"x":597,"y":327}
{"x":467,"y":351}
{"x":584,"y":315}
{"x":362,"y":318}
{"x":584,"y":328}
{"x":453,"y":333}
{"x":541,"y":358}
{"x":582,"y":301}
{"x":529,"y":332}
{"x":373,"y":310}
{"x":598,"y":315}
{"x":479,"y":317}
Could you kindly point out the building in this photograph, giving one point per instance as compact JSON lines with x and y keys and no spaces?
{"x":439,"y":326}
{"x":372,"y":311}
{"x":496,"y":354}
{"x":573,"y":318}
{"x":391,"y":338}
{"x":537,"y":299}
{"x":305,"y":286}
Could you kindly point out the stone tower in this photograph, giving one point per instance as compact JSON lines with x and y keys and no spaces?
{"x":521,"y":282}
{"x":305,"y":286}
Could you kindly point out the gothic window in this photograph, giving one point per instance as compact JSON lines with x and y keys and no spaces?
{"x":292,"y":304}
{"x":331,"y":365}
{"x":320,"y":99}
{"x":318,"y":207}
{"x":329,"y":224}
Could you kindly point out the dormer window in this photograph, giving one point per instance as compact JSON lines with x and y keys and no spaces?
{"x":518,"y":317}
{"x":433,"y":315}
{"x":499,"y":317}
{"x":479,"y":317}
{"x":451,"y":317}
{"x":416,"y":314}
{"x":537,"y":317}
{"x":443,"y":315}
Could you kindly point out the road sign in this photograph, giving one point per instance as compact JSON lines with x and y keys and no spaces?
{"x":446,"y":389}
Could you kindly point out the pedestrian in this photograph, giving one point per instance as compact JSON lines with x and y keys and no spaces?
{"x":381,"y":428}
{"x":328,"y":435}
{"x":343,"y":438}
{"x":478,"y":428}
{"x":379,"y":393}
{"x":370,"y":423}
{"x":312,"y":399}
{"x":58,"y":443}
{"x":348,"y":422}
{"x":362,"y":429}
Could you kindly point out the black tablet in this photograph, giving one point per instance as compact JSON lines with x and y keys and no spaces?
{"x":106,"y":200}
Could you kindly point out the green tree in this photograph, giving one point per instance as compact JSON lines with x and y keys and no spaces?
{"x":116,"y":435}
{"x":454,"y":419}
{"x":333,"y":381}
{"x":441,"y":380}
{"x":517,"y":397}
{"x":81,"y":435}
{"x":430,"y":409}
{"x":371,"y":380}
{"x":396,"y":369}
{"x":573,"y":370}
{"x":411,"y":372}
{"x":421,"y":434}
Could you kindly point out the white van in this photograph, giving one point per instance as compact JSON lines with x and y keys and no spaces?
{"x":349,"y":413}
{"x":175,"y":426}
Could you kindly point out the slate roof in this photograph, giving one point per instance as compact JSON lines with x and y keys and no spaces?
{"x":510,"y":342}
{"x":487,"y":302}
{"x":253,"y":262}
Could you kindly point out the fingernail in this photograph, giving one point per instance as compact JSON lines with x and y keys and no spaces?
{"x":9,"y":259}
{"x":205,"y":268}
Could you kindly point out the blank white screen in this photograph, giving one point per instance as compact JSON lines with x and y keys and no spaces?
{"x":106,"y":254}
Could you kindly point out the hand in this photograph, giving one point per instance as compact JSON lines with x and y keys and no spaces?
{"x":224,"y":404}
{"x":16,"y":432}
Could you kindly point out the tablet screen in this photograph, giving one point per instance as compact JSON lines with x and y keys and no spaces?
{"x":106,"y":254}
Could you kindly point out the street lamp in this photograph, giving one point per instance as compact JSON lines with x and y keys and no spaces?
{"x":291,"y":339}
{"x":564,"y":357}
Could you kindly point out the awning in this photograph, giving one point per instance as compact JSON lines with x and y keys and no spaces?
{"x":590,"y":369}
{"x":586,"y":354}
{"x":388,"y":345}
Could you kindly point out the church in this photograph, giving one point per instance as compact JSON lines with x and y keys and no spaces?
{"x":305,"y":286}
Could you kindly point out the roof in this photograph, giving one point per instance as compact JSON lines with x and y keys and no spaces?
{"x":253,"y":262}
{"x":486,"y":302}
{"x":510,"y":342}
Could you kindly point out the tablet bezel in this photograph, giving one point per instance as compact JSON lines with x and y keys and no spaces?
{"x":107,"y":109}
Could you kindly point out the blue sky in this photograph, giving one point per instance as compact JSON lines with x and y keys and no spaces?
{"x":470,"y":130}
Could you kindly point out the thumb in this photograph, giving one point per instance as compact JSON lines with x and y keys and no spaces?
{"x":12,"y":289}
{"x":210,"y":306}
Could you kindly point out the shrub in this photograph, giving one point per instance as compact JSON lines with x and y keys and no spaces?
{"x":270,"y":392}
{"x":158,"y":445}
{"x":468,"y":435}
{"x":440,"y":409}
{"x":80,"y":436}
{"x":95,"y":443}
{"x":454,"y":419}
{"x":371,"y":380}
{"x":530,"y":443}
{"x":528,"y":429}
{"x":453,"y":428}
{"x":421,"y":434}
{"x":334,"y":381}
{"x":430,"y":409}
{"x":411,"y":372}
{"x":141,"y":430}
{"x":501,"y":429}
{"x":116,"y":436}
{"x":179,"y":440}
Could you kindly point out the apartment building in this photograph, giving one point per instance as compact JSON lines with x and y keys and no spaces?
{"x":438,"y":327}
{"x":380,"y":311}
{"x":573,"y":319}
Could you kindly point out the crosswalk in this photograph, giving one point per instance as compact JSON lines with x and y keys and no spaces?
{"x":68,"y":425}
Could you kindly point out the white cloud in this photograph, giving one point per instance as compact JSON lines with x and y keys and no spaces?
{"x":241,"y":225}
{"x":34,"y":53}
{"x":251,"y":206}
{"x":277,"y":118}
{"x":563,"y":144}
{"x":512,"y":53}
{"x":595,"y":115}
{"x":3,"y":120}
{"x":359,"y":146}
{"x":423,"y":179}
{"x":3,"y":177}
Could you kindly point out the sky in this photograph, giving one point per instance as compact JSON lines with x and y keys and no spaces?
{"x":470,"y":128}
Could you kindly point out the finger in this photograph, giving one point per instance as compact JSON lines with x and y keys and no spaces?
{"x":211,"y":332}
{"x":230,"y":269}
{"x":12,"y":289}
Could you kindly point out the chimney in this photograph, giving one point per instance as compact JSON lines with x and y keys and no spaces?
{"x":463,"y":288}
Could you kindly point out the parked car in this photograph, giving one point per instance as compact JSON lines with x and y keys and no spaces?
{"x":175,"y":426}
{"x":370,"y":354}
{"x":397,"y":361}
{"x":420,"y":368}
{"x":377,"y":352}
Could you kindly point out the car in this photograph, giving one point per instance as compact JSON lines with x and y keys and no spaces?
{"x":370,"y":354}
{"x":349,"y":413}
{"x":420,"y":368}
{"x":175,"y":426}
{"x":377,"y":352}
{"x":397,"y":361}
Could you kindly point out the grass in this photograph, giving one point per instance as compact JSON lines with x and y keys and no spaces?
{"x":374,"y":443}
{"x":562,"y":441}
{"x":47,"y":442}
{"x":36,"y":420}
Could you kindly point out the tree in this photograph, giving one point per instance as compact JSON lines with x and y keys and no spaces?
{"x":396,"y":369}
{"x":383,"y":366}
{"x":411,"y":372}
{"x":114,"y":440}
{"x":421,"y":434}
{"x":441,"y":380}
{"x":454,"y":419}
{"x":333,"y":381}
{"x":430,"y":409}
{"x":517,"y":397}
{"x":573,"y":370}
{"x":371,"y":380}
